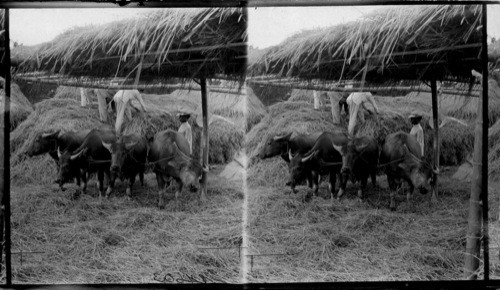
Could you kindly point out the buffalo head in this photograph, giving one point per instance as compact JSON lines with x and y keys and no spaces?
{"x":420,"y":173}
{"x":68,"y":166}
{"x":119,"y":150}
{"x":191,"y":171}
{"x":43,"y":143}
{"x":299,"y":168}
{"x":274,"y":146}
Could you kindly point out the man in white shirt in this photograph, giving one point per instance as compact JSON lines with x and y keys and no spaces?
{"x":185,"y":130}
{"x":417,"y":131}
{"x":355,"y":101}
{"x":122,"y":99}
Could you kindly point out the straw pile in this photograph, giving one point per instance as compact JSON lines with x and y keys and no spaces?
{"x":20,"y":106}
{"x":225,"y":140}
{"x":341,"y":52}
{"x":282,"y":118}
{"x":325,"y":241}
{"x":183,"y":43}
{"x":126,"y":241}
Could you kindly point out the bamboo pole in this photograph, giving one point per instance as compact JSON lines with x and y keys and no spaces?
{"x":332,"y":88}
{"x":205,"y":140}
{"x":95,"y":85}
{"x":484,"y":140}
{"x":435,"y":142}
{"x":5,"y":178}
{"x":475,"y":211}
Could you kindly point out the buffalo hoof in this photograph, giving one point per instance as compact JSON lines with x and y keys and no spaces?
{"x":108,"y":191}
{"x":128,"y":192}
{"x":76,"y":194}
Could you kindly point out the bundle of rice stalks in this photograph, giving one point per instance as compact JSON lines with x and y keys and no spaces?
{"x":20,"y":106}
{"x":225,"y":140}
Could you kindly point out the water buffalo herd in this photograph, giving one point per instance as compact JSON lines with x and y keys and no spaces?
{"x":79,"y":154}
{"x":345,"y":158}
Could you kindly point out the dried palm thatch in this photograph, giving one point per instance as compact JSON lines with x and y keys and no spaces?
{"x":182,"y":43}
{"x":413,"y":42}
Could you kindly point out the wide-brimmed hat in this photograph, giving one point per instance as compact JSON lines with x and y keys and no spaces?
{"x":415,"y":116}
{"x":185,"y":115}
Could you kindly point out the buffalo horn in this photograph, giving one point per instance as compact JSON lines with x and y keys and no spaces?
{"x":47,"y":135}
{"x":338,"y":148}
{"x":290,"y":155}
{"x":284,"y":137}
{"x":107,"y":145}
{"x":74,"y":156}
{"x":306,"y":158}
{"x":58,"y":152}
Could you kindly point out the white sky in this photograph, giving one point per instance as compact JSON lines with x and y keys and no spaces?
{"x":267,"y":26}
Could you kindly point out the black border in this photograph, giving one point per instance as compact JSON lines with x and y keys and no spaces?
{"x":455,"y":284}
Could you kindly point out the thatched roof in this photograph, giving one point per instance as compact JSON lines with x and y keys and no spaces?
{"x":179,"y":43}
{"x":406,"y":42}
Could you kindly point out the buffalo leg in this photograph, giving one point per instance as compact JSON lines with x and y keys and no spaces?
{"x":373,"y":175}
{"x":131,"y":182}
{"x":179,"y":188}
{"x":362,"y":186}
{"x":315,"y":177}
{"x":331,"y":185}
{"x":392,"y":204}
{"x":100,"y":178}
{"x":161,"y":190}
{"x":111,"y":182}
{"x":342,"y":185}
{"x":141,"y":176}
{"x":84,"y":176}
{"x":310,"y":180}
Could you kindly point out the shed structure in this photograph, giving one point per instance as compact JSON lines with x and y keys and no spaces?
{"x":182,"y":46}
{"x":405,"y":44}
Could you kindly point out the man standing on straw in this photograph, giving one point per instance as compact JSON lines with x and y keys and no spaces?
{"x":122,"y":99}
{"x":355,"y":101}
{"x":104,"y":97}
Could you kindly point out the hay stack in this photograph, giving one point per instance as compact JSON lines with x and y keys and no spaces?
{"x":285,"y":117}
{"x":20,"y":106}
{"x":225,"y":140}
{"x":456,"y":141}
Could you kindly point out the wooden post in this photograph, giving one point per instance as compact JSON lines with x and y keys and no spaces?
{"x":5,"y":177}
{"x":475,"y":212}
{"x":435,"y":143}
{"x":204,"y":138}
{"x":484,"y":140}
